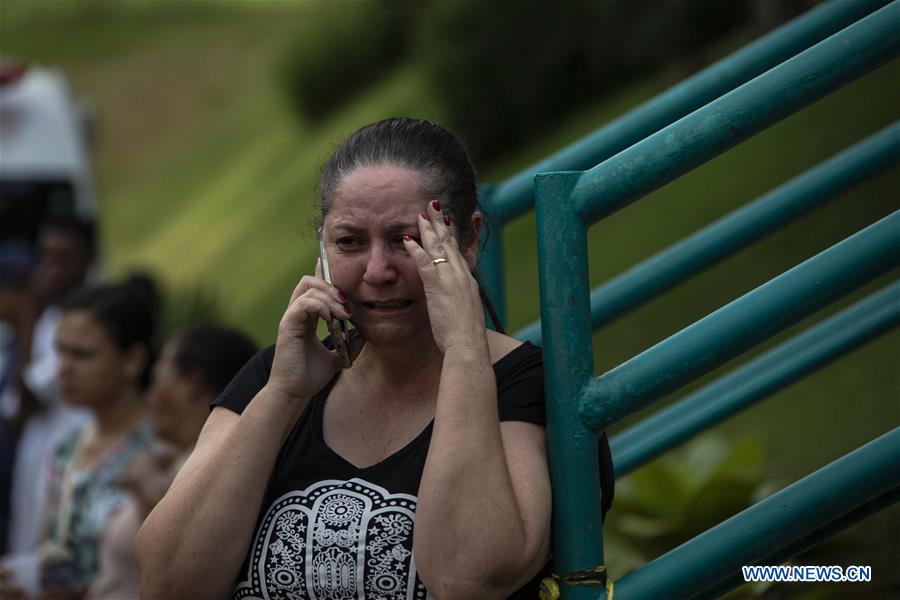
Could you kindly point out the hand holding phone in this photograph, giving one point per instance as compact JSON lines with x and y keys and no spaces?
{"x":340,"y":337}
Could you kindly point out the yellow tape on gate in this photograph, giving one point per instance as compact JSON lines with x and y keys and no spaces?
{"x":549,"y":589}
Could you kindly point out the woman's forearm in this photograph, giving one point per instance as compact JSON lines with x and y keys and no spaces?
{"x":469,"y":531}
{"x":196,"y":538}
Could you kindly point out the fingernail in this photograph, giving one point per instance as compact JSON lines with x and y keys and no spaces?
{"x":435,"y":205}
{"x":406,"y":238}
{"x":424,"y":216}
{"x":341,"y":296}
{"x":447,"y":220}
{"x":348,"y":311}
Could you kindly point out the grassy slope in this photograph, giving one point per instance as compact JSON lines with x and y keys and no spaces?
{"x":205,"y":174}
{"x":205,"y":178}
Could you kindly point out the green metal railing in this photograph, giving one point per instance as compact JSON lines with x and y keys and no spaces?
{"x":757,"y":379}
{"x":738,"y":230}
{"x":515,"y":196}
{"x":704,"y":116}
{"x":787,"y":518}
{"x":741,"y":324}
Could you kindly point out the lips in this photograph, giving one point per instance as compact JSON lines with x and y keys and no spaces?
{"x":387,"y":305}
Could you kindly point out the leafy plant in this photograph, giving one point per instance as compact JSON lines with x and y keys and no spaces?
{"x":681,"y":495}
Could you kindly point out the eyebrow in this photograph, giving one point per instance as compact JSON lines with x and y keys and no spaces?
{"x":391,"y":228}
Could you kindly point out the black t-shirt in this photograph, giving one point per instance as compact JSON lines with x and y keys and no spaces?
{"x":329,"y":528}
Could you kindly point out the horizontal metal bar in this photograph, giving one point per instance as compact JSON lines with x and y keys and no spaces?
{"x":743,"y":323}
{"x":805,"y":543}
{"x":776,"y":522}
{"x":764,"y":375}
{"x":738,"y":115}
{"x":516,"y":195}
{"x":739,"y":229}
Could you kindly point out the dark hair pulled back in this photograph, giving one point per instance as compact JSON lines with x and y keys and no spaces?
{"x":216,"y":353}
{"x":445,"y":171}
{"x":126,"y":311}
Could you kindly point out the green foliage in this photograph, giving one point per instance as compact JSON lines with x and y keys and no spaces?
{"x":71,"y":32}
{"x":185,"y":306}
{"x":680,"y":496}
{"x":507,"y":70}
{"x":348,"y":47}
{"x":533,"y":60}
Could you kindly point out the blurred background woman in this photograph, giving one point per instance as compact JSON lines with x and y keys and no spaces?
{"x":193,"y":369}
{"x":104,"y":342}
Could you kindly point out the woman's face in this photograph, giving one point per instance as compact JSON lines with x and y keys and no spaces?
{"x":92,"y":370}
{"x":374,"y":207}
{"x":175,"y":401}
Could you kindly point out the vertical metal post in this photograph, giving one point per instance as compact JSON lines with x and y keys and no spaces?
{"x":568,"y":365}
{"x":491,"y":269}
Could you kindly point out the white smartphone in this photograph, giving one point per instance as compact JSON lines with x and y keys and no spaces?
{"x":340,"y":337}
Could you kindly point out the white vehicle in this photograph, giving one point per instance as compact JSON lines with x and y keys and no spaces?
{"x":45,"y":167}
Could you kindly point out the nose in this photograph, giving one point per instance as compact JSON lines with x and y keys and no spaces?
{"x":380,"y":269}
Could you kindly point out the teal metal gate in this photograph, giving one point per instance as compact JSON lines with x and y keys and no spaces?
{"x":690,"y":124}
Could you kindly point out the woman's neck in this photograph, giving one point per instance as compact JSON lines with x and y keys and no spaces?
{"x":120,"y":415}
{"x":413,"y":367}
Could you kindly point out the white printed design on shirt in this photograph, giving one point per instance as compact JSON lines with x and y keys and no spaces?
{"x":339,"y":540}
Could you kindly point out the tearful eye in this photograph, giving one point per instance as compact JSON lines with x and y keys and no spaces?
{"x":347,"y":243}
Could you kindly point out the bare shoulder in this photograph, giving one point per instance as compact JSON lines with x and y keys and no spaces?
{"x":500,"y":345}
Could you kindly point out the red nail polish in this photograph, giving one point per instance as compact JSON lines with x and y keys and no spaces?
{"x":424,"y":216}
{"x":447,"y":220}
{"x":406,"y":238}
{"x":435,"y":205}
{"x":341,"y":297}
